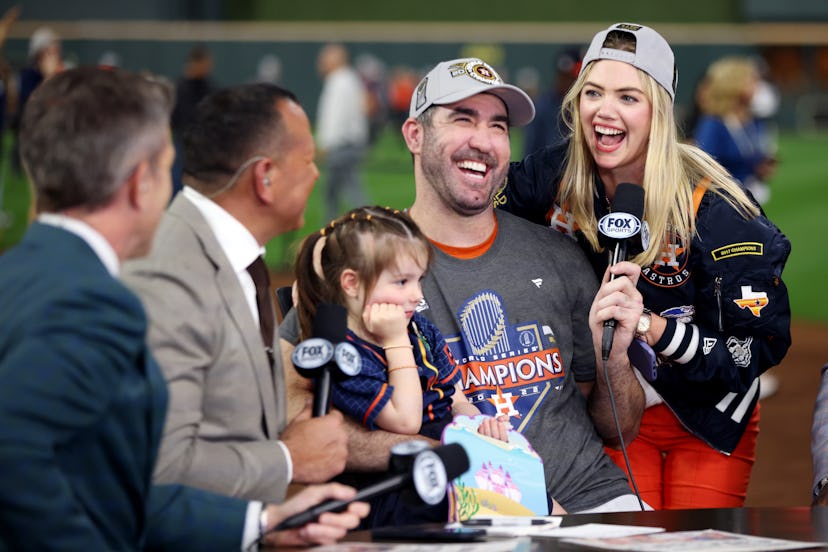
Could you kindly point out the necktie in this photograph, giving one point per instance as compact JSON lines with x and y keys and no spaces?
{"x":264,"y":303}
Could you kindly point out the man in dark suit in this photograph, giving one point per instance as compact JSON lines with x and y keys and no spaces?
{"x":82,"y":401}
{"x":249,"y":169}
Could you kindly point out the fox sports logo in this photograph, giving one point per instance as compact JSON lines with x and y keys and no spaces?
{"x":619,"y":225}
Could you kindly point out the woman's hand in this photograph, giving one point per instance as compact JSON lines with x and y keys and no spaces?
{"x":619,"y":300}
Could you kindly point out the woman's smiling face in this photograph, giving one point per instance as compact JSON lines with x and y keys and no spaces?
{"x":615,"y":117}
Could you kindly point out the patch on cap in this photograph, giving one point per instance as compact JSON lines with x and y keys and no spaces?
{"x":420,"y":94}
{"x":481,"y":71}
{"x":632,"y":27}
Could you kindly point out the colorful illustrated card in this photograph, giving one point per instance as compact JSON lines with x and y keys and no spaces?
{"x":504,"y":478}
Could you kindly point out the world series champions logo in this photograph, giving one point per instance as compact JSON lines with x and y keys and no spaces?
{"x":506,"y":368}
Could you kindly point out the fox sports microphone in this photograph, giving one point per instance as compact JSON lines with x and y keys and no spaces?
{"x":326,"y":354}
{"x":429,"y":473}
{"x":624,"y":234}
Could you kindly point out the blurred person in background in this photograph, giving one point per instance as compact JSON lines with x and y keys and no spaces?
{"x":45,"y":61}
{"x":269,"y":69}
{"x":547,"y":128}
{"x":401,"y":84}
{"x":371,"y":70}
{"x":109,"y":60}
{"x":729,"y":128}
{"x":8,"y":105}
{"x":8,"y":95}
{"x":341,"y":130}
{"x":195,"y":84}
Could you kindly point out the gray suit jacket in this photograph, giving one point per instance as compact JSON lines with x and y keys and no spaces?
{"x":227,"y":406}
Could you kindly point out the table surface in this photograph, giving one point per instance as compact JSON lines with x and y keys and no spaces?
{"x":794,"y":523}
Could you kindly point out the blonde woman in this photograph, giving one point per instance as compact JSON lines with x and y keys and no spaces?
{"x":718,"y":312}
{"x":728,"y":129}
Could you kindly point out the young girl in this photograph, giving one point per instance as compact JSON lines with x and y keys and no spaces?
{"x":372,"y":260}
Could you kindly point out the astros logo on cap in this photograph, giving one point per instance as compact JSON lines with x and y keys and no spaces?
{"x":482,"y":71}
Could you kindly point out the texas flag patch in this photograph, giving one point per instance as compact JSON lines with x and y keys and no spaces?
{"x":754,"y":301}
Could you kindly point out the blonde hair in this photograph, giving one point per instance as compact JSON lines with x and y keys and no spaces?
{"x":726,"y":85}
{"x":672,"y":169}
{"x":367,"y":240}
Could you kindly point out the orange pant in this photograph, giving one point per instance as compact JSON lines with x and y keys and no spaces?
{"x":675,"y":470}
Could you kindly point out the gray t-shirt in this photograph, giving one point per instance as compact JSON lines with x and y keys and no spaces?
{"x":517,"y":320}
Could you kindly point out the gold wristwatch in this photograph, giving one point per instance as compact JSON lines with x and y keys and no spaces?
{"x":643,"y":324}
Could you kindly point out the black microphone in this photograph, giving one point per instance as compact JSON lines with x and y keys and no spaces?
{"x":623,"y":232}
{"x":326,"y":354}
{"x":429,"y":473}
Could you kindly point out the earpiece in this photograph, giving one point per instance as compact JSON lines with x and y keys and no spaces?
{"x":266,"y":181}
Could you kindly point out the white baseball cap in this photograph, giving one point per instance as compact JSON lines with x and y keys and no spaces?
{"x":652,"y":54}
{"x":458,"y":79}
{"x":42,"y":38}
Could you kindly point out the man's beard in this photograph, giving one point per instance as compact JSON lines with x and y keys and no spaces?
{"x":438,"y":171}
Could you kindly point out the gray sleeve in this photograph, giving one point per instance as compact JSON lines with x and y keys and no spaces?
{"x":819,"y":431}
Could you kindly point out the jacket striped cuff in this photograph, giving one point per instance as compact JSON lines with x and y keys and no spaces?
{"x":679,"y":342}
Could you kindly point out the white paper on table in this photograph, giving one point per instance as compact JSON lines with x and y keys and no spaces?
{"x":708,"y":540}
{"x":599,"y":531}
{"x":499,"y":545}
{"x":513,"y":526}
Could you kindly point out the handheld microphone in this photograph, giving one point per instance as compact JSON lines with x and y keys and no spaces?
{"x":625,"y":234}
{"x":429,"y":473}
{"x":326,"y":354}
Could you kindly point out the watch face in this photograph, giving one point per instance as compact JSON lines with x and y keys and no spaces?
{"x":643,"y":323}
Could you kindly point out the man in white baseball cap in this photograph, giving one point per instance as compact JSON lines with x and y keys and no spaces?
{"x":500,"y":287}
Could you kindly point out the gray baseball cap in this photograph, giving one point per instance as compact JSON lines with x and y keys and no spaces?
{"x":458,"y":79}
{"x":652,"y":54}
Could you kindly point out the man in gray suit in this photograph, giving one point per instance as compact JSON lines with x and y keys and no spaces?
{"x":248,"y":171}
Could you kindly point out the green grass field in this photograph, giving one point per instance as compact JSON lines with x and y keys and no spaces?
{"x":797,"y":206}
